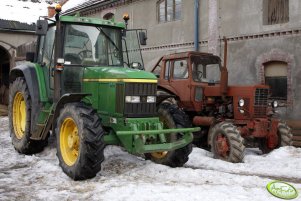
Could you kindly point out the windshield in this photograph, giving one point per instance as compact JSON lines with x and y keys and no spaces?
{"x":92,"y":46}
{"x":206,"y":69}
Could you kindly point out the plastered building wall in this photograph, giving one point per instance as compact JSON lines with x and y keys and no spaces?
{"x":250,"y":42}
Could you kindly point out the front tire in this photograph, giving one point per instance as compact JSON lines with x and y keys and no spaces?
{"x":227,"y":143}
{"x":285,"y":138}
{"x":172,"y":117}
{"x":285,"y":135}
{"x":80,"y":143}
{"x":20,"y":119}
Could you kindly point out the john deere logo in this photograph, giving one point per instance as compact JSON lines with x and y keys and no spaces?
{"x":282,"y":190}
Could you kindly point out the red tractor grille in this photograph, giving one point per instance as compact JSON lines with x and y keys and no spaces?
{"x":261,"y":102}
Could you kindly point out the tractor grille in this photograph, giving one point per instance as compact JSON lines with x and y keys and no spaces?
{"x":261,"y":102}
{"x":119,"y":97}
{"x":142,"y":109}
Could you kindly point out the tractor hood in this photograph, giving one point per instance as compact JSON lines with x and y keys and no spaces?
{"x":116,"y":73}
{"x":234,"y":90}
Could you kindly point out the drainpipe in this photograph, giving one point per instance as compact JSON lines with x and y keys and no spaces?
{"x":196,"y":25}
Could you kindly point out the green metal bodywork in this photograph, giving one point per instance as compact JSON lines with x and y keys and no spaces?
{"x":92,"y":21}
{"x":137,"y":135}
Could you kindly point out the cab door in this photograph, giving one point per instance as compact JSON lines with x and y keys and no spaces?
{"x":180,"y":81}
{"x":46,"y":58}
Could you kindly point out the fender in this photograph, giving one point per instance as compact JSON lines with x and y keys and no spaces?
{"x":162,"y":95}
{"x":66,"y":98}
{"x":29,"y":73}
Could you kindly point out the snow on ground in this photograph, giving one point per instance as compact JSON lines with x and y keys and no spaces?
{"x":23,"y":11}
{"x":128,"y":177}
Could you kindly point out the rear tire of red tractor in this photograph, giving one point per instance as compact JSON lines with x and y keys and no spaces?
{"x":284,"y":135}
{"x":20,"y":119}
{"x":172,"y":117}
{"x":226,"y":142}
{"x":80,"y":144}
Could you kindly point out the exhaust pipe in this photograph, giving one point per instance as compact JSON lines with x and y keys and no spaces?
{"x":224,"y":72}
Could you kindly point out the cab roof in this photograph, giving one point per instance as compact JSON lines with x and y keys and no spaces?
{"x":90,"y":20}
{"x":180,"y":55}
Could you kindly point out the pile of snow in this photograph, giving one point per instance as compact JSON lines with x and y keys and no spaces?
{"x":127,"y":177}
{"x":26,"y":11}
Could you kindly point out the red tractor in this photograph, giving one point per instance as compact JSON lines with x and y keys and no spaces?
{"x":231,"y":117}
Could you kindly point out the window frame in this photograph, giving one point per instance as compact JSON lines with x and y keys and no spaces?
{"x":165,"y":14}
{"x":283,"y":13}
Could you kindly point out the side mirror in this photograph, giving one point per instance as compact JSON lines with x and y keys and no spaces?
{"x":30,"y":56}
{"x":41,"y":28}
{"x":142,"y":38}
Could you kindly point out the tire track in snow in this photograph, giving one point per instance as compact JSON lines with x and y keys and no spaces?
{"x":243,"y":173}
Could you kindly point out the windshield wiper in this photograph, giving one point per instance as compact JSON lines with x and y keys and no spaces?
{"x":108,"y":37}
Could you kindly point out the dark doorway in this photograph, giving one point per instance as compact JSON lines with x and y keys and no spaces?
{"x":4,"y":75}
{"x":276,"y":78}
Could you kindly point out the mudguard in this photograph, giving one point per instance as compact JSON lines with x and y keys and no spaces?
{"x":66,"y":98}
{"x":28,"y":71}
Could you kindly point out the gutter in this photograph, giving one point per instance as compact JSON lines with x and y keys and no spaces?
{"x":196,"y":25}
{"x":17,"y":30}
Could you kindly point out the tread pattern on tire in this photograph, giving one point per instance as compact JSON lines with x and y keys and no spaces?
{"x":177,"y":118}
{"x":285,"y":134}
{"x":24,"y":145}
{"x":235,"y":140}
{"x":285,"y":138}
{"x":92,"y":145}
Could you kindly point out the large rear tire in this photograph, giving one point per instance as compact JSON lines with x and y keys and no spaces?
{"x":227,"y":143}
{"x":172,"y":117}
{"x":80,"y":144}
{"x":20,"y":119}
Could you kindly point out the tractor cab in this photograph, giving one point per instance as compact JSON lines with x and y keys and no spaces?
{"x":188,"y":75}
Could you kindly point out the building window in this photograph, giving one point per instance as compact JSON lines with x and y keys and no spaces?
{"x":108,"y":16}
{"x":169,"y":10}
{"x":275,"y":11}
{"x":276,"y":77}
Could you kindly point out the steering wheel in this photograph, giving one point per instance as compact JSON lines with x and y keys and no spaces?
{"x":84,"y":54}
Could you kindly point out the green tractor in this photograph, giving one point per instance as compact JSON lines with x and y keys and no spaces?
{"x":81,"y":85}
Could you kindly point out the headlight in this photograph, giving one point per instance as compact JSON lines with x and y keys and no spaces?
{"x":241,"y":102}
{"x":151,"y":99}
{"x":132,"y":99}
{"x":275,"y":104}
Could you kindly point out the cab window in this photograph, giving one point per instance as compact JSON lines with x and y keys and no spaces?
{"x":180,"y":69}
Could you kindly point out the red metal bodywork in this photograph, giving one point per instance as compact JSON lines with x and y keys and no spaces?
{"x":252,"y":122}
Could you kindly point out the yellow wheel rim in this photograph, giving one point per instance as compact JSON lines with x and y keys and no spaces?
{"x":19,"y":115}
{"x":69,"y":141}
{"x":159,"y":155}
